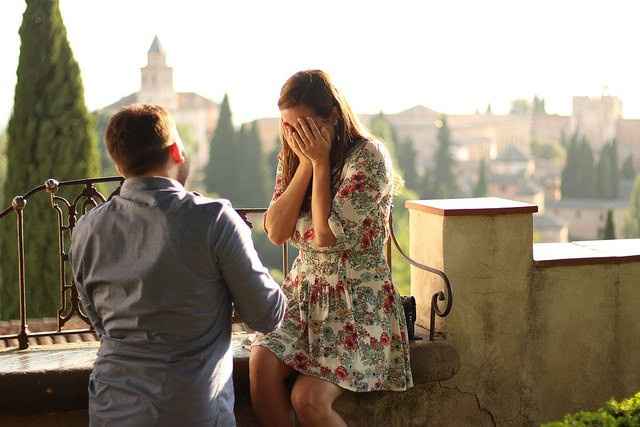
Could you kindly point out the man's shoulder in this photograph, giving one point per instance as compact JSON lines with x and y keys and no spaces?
{"x":208,"y":205}
{"x":91,"y":217}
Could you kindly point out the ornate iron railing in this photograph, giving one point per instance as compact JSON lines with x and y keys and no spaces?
{"x":68,"y":212}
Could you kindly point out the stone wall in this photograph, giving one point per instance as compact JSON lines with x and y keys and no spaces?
{"x":538,"y":336}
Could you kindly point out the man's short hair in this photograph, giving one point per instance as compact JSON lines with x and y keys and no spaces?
{"x":138,"y":137}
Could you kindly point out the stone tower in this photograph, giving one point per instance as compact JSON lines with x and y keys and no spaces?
{"x":156,"y":85}
{"x":596,"y":118}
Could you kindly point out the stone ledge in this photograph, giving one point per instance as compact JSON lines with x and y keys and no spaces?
{"x":586,"y":253}
{"x":54,"y":378}
{"x":475,"y":206}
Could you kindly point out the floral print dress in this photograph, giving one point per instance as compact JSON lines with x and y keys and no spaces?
{"x":345,"y":322}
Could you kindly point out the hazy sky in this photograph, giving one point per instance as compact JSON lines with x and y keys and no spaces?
{"x":455,"y":56}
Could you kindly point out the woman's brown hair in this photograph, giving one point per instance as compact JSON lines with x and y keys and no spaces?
{"x":315,"y":90}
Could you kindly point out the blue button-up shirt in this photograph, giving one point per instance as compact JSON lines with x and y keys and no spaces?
{"x":157,"y":269}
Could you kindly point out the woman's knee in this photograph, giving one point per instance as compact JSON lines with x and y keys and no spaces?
{"x":264,"y":366}
{"x":309,"y":402}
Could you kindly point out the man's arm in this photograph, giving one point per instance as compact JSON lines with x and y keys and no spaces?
{"x":77,"y":253}
{"x":257,"y":297}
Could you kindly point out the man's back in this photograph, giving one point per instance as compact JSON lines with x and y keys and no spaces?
{"x":157,"y":269}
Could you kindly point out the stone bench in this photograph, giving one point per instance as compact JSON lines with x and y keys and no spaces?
{"x":47,"y":384}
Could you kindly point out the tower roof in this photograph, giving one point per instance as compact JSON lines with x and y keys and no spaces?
{"x":156,"y":47}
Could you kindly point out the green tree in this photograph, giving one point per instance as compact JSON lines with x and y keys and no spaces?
{"x":488,"y":110}
{"x":609,"y":230}
{"x":569,"y":176}
{"x":586,"y":185}
{"x":480,"y":189}
{"x":579,"y":178}
{"x":545,"y":151}
{"x":444,"y":182}
{"x":520,"y":107}
{"x":608,"y":183}
{"x":382,"y":128}
{"x":101,"y":121}
{"x":189,"y":140}
{"x":250,"y":183}
{"x":538,"y":105}
{"x":632,"y":221}
{"x":407,"y":163}
{"x":50,"y":134}
{"x":3,"y":167}
{"x":628,"y":170}
{"x":221,"y":170}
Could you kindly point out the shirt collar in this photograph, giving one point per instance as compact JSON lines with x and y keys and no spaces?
{"x":146,"y":189}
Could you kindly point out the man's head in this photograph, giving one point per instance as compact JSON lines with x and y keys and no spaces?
{"x":143,"y":140}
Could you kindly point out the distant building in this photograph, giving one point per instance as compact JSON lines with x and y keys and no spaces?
{"x":549,"y":229}
{"x":193,"y":111}
{"x":596,"y":118}
{"x":586,"y":217}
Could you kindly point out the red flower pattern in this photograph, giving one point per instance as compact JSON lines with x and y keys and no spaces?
{"x":341,"y":372}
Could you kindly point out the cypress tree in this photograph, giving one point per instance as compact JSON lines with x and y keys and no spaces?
{"x":569,"y":184}
{"x":382,"y":128}
{"x":3,"y":167}
{"x":608,"y":171}
{"x":609,"y":231}
{"x":407,"y":163}
{"x":586,"y":183}
{"x":632,"y":221}
{"x":221,"y":170}
{"x":615,"y":170}
{"x":628,"y":170}
{"x":50,"y":134}
{"x":480,"y":190}
{"x":444,"y":179}
{"x":250,"y":182}
{"x":604,"y":173}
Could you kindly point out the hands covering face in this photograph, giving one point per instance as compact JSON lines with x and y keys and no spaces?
{"x":309,"y":140}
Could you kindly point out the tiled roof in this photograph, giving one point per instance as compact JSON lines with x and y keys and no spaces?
{"x":9,"y":327}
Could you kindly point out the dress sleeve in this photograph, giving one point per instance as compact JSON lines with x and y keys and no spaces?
{"x":366,"y":181}
{"x":278,"y":188}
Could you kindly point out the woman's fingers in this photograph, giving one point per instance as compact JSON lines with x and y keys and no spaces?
{"x":305,"y":132}
{"x":299,"y":143}
{"x":315,"y":129}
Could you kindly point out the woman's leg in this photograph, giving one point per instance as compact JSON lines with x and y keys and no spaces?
{"x":269,"y":393}
{"x":313,"y":399}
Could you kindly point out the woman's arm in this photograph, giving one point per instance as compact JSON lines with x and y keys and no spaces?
{"x":282,"y":215}
{"x":321,"y":205}
{"x":316,"y":145}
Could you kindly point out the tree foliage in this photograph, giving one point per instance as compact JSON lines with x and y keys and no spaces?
{"x":50,"y":134}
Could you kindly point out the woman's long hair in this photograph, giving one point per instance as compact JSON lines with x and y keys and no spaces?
{"x":315,"y":90}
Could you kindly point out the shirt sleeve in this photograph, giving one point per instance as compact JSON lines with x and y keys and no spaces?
{"x":367,"y":180}
{"x":76,"y":254}
{"x":256,"y":296}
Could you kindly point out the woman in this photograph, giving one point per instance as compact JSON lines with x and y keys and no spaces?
{"x":345,"y":326}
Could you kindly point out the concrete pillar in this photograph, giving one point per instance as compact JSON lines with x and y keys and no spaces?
{"x":485,"y":246}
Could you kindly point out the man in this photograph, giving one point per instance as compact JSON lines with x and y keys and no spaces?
{"x":157,"y":269}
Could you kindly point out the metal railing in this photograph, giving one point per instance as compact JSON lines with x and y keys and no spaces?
{"x":90,"y":197}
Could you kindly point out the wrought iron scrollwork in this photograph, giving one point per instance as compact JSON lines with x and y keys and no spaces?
{"x":443,"y":296}
{"x":68,"y":213}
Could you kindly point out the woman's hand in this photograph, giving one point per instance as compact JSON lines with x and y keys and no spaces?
{"x":293,"y":141}
{"x":314,"y":141}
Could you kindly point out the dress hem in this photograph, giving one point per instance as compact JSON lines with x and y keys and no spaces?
{"x":312,"y":374}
